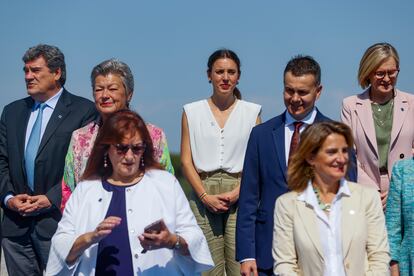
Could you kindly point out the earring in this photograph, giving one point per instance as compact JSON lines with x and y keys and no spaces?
{"x":209,"y":81}
{"x":106,"y":160}
{"x":142,"y":163}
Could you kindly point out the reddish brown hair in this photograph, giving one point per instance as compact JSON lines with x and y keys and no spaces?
{"x":115,"y":129}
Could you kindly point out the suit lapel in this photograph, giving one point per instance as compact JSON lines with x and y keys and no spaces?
{"x":309,"y":220}
{"x":320,"y":117}
{"x":58,"y":116}
{"x":22,"y":120}
{"x":364,"y":113}
{"x":278,"y":134}
{"x":400,"y":112}
{"x":350,"y":207}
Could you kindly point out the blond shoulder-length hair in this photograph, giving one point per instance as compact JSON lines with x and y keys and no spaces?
{"x":311,"y":140}
{"x":373,"y":57}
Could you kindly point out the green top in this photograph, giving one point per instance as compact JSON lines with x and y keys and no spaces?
{"x":382,"y":115}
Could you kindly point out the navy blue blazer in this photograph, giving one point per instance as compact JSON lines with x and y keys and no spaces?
{"x":264,"y":180}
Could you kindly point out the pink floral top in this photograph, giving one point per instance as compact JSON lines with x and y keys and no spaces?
{"x":80,"y":148}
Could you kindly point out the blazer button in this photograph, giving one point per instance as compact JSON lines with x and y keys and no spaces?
{"x":402,"y":156}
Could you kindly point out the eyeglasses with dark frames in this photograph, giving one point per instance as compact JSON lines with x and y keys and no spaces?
{"x":135,"y":148}
{"x":391,"y":74}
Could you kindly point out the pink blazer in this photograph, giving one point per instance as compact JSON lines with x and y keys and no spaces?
{"x":357,"y":114}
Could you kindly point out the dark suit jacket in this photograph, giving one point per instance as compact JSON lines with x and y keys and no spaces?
{"x":71,"y":112}
{"x":264,"y":180}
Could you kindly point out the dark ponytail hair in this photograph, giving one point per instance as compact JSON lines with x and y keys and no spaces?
{"x":225,"y":53}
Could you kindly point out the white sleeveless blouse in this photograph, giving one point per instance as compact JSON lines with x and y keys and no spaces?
{"x":214,"y":148}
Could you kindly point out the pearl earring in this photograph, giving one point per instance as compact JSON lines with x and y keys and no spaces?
{"x":106,"y":160}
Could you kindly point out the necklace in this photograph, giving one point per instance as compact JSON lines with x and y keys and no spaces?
{"x":326,"y":207}
{"x":382,"y":113}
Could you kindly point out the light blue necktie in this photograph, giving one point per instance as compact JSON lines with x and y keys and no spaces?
{"x":33,"y":146}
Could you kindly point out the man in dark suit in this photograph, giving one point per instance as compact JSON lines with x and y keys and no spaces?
{"x":34,"y":137}
{"x":265,"y":164}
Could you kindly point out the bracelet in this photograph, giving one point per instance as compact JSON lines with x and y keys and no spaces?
{"x":203,"y":195}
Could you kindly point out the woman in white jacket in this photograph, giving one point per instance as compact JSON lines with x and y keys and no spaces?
{"x":124,"y":190}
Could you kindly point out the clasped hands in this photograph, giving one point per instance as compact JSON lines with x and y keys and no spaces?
{"x":27,"y":205}
{"x":220,"y":203}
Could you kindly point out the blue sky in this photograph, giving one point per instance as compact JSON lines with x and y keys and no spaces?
{"x":167,"y":44}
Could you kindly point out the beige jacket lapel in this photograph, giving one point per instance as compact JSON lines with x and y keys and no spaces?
{"x":309,"y":220}
{"x":350,"y":207}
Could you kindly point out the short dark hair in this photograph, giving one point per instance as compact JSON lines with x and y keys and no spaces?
{"x":225,"y":53}
{"x":302,"y":65}
{"x":53,"y":56}
{"x":118,"y":125}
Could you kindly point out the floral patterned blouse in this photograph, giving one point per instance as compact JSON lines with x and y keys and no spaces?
{"x":80,"y":148}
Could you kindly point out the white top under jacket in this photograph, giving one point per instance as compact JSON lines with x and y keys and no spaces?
{"x":214,"y":148}
{"x":157,"y":195}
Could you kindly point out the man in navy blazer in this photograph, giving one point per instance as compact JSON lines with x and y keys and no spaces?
{"x":265,"y":165}
{"x":34,"y":138}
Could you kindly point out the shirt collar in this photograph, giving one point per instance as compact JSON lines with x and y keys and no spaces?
{"x":308,"y":195}
{"x":309,"y":118}
{"x":50,"y":102}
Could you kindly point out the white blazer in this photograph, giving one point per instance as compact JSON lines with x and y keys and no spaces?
{"x":157,"y":195}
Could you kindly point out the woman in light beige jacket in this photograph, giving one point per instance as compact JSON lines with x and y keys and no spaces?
{"x":327,"y":225}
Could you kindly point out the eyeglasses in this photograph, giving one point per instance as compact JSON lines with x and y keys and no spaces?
{"x":136,"y":149}
{"x":391,"y":74}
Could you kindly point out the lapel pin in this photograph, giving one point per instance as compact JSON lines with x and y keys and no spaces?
{"x":352,"y":212}
{"x":60,"y":116}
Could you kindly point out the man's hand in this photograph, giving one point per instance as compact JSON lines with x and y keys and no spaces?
{"x":36,"y":204}
{"x":248,"y":267}
{"x":17,"y":202}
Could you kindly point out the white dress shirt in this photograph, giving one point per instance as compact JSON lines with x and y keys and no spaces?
{"x":329,"y":228}
{"x":290,"y":128}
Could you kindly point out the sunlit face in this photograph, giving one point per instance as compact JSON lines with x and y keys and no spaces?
{"x":41,"y":83}
{"x":126,"y":165}
{"x":330,"y":163}
{"x":110,"y":94}
{"x":383,"y":80}
{"x":300,"y":94}
{"x":224,"y":76}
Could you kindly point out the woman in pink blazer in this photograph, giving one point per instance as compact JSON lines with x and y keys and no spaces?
{"x":381,"y":118}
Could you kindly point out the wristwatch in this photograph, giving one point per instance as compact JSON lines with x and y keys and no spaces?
{"x":177,"y":245}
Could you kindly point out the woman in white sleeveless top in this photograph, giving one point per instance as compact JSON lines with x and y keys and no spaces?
{"x":214,"y":138}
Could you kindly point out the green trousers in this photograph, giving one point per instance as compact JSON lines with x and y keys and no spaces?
{"x":219,"y":229}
